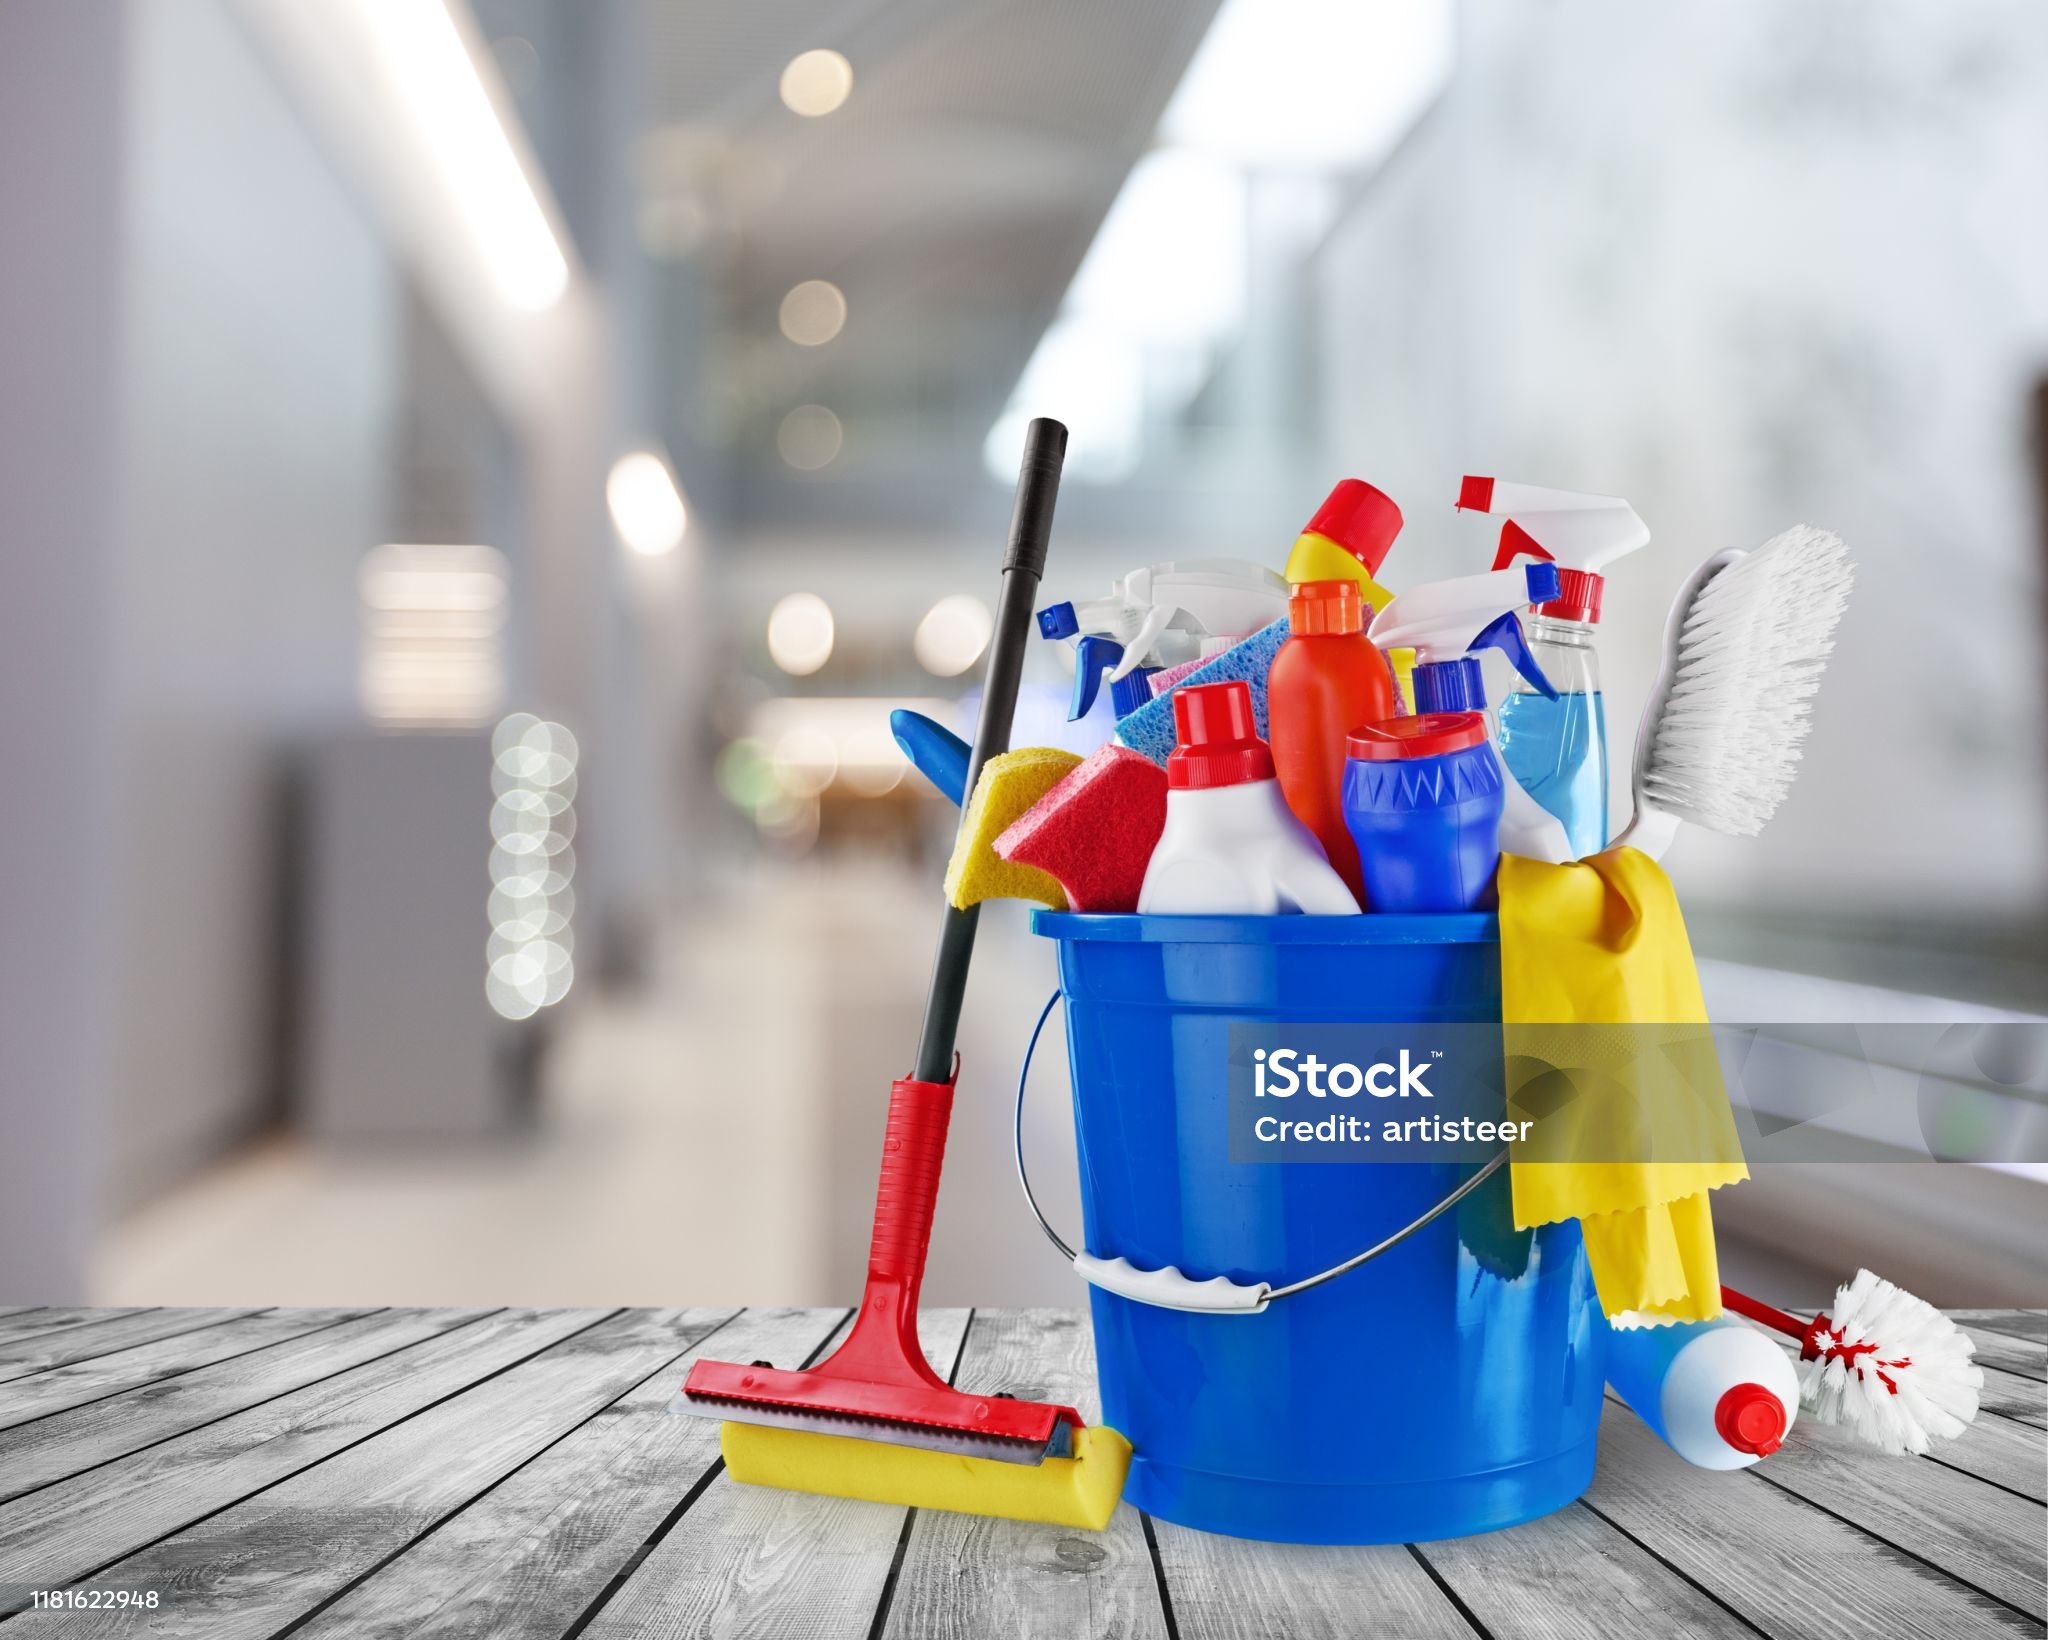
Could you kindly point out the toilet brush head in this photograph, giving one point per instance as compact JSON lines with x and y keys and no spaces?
{"x":1890,"y":1366}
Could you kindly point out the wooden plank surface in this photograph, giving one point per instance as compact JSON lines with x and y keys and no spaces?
{"x":43,"y":1351}
{"x":1224,"y":1588}
{"x":530,"y":1557}
{"x":35,"y":1454}
{"x":449,"y":1474}
{"x":27,"y":1323}
{"x":92,"y":1520}
{"x":2008,"y":1454}
{"x":1794,"y":1571}
{"x":2022,"y":1357}
{"x":969,"y":1575}
{"x":251,"y":1570}
{"x":1575,"y":1576}
{"x":1978,"y":1534}
{"x":2030,"y":1324}
{"x":105,"y":1375}
{"x":744,"y":1560}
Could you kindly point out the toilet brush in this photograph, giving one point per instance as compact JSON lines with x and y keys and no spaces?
{"x":1890,"y":1366}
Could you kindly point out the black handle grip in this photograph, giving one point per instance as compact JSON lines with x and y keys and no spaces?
{"x":1038,"y":488}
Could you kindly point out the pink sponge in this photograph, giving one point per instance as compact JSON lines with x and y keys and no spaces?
{"x":1094,"y":831}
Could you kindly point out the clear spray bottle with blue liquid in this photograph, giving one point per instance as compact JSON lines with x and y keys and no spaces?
{"x":1555,"y":744}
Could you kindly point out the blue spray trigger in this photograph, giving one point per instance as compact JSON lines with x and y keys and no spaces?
{"x":934,"y":751}
{"x":1545,"y":585}
{"x":1093,"y":656}
{"x":1058,"y":621}
{"x":1505,"y":635}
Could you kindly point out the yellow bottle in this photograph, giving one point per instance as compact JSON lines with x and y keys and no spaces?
{"x":1348,"y":540}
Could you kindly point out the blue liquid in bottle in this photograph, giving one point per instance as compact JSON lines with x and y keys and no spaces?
{"x":1557,"y":749}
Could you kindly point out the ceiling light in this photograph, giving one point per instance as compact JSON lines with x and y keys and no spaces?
{"x":421,"y":54}
{"x":813,"y":312}
{"x":952,"y":635}
{"x":646,"y":507}
{"x":809,"y":437}
{"x":816,"y":82}
{"x":800,"y":634}
{"x":433,"y":621}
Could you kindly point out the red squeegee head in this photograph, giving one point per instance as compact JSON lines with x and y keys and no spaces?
{"x":878,"y":1383}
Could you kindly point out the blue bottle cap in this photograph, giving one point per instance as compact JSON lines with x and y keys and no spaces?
{"x":1132,"y":690}
{"x":1450,"y":686}
{"x":1058,"y":621}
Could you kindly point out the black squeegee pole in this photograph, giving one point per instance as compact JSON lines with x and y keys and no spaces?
{"x":1038,"y":488}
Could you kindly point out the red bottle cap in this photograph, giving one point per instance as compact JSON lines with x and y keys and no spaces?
{"x":1325,"y":609}
{"x":1219,"y":741}
{"x":1429,"y":734}
{"x":1578,"y":590}
{"x":1751,"y":1419}
{"x":1360,"y":520}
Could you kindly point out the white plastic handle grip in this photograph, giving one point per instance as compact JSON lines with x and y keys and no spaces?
{"x":1168,"y":1289}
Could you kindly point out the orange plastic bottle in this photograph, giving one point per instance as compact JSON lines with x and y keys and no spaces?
{"x":1327,"y":680}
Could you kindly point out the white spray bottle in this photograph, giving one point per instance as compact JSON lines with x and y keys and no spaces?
{"x":1446,"y":623}
{"x":1556,"y":744}
{"x":1160,"y":616}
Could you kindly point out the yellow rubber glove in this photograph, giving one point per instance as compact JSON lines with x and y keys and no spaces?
{"x":1633,"y":1126}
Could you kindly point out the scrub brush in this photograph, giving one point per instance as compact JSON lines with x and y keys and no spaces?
{"x":1889,"y":1365}
{"x":1747,"y":640}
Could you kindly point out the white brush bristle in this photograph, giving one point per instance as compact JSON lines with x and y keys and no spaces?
{"x":1918,"y":1381}
{"x":1751,"y":649}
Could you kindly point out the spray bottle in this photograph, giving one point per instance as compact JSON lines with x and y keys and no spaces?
{"x":1556,"y":744}
{"x":1446,"y":624}
{"x":1159,"y":616}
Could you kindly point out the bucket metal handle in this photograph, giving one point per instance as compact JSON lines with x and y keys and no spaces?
{"x":1170,"y":1288}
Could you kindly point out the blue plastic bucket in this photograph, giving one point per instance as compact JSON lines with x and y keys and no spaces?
{"x":1451,"y":1386}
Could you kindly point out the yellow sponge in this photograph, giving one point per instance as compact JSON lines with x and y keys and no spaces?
{"x":1080,"y":1491}
{"x":1010,"y":783}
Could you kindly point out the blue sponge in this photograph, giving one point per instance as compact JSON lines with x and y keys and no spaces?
{"x":1150,"y":728}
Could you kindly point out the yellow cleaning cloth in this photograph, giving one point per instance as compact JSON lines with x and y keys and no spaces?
{"x":1632,"y":1126}
{"x":1010,"y":783}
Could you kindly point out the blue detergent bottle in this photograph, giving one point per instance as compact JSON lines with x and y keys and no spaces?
{"x":1556,"y":745}
{"x":1423,"y":798}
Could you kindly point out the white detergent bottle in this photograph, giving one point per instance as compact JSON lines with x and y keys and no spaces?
{"x":1721,"y":1393}
{"x":1231,"y":846}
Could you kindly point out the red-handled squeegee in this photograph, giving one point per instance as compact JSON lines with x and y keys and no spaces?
{"x":879,"y":1375}
{"x":877,"y":1388}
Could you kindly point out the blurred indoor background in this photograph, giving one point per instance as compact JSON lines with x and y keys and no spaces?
{"x":475,"y":476}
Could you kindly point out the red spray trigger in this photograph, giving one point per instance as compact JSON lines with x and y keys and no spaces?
{"x":1516,"y":542}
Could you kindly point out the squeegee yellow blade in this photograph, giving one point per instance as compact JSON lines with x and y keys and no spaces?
{"x":1080,"y":1491}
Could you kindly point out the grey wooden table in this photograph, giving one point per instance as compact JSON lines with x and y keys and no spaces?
{"x":513,"y":1472}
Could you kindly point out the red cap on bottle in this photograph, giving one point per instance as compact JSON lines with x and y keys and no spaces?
{"x":1219,"y":741}
{"x":1324,"y":609}
{"x":1750,"y":1419}
{"x":1360,"y":520}
{"x":1578,"y":590}
{"x":1428,"y":734}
